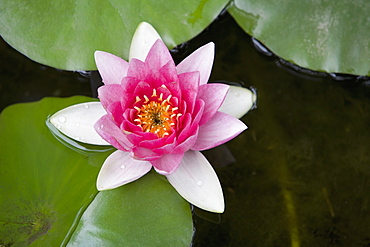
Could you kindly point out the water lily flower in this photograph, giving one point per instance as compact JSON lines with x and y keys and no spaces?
{"x":159,"y":115}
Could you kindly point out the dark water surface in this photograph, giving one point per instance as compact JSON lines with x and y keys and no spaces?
{"x":302,"y":170}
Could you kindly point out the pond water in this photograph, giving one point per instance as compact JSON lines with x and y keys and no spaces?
{"x":299,"y":176}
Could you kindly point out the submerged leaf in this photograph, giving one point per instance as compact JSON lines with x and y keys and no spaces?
{"x":326,"y":36}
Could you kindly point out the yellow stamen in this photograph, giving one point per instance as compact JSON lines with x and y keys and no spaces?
{"x":157,"y":117}
{"x":154,"y":93}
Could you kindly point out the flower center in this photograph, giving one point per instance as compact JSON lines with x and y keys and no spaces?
{"x":156,"y":115}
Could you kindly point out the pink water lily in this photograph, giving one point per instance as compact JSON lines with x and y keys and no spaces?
{"x":159,"y":115}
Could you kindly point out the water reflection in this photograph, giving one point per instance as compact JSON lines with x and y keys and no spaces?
{"x":79,"y":147}
{"x":302,"y":170}
{"x":261,"y":48}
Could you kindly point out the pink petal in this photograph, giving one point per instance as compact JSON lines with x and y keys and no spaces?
{"x":213,"y":95}
{"x":168,"y":163}
{"x":166,"y":92}
{"x":200,"y":60}
{"x":198,"y":111}
{"x":189,"y":83}
{"x":137,"y":70}
{"x":77,"y":122}
{"x":190,"y":122}
{"x":184,"y":127}
{"x":153,"y":144}
{"x":129,"y":127}
{"x":110,"y":93}
{"x":196,"y":181}
{"x":168,"y":148}
{"x":170,"y":79}
{"x":188,"y":143}
{"x":144,"y":154}
{"x":143,"y":88}
{"x":119,"y":169}
{"x":136,"y":136}
{"x":158,"y":55}
{"x":219,"y":129}
{"x":169,"y":72}
{"x":116,"y":112}
{"x":111,"y":68}
{"x":110,"y":132}
{"x":157,"y":78}
{"x":144,"y":38}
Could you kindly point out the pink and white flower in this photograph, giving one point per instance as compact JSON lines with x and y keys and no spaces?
{"x":159,"y":115}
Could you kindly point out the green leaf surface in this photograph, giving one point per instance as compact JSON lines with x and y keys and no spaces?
{"x":65,"y":34}
{"x":148,"y":212}
{"x":44,"y":184}
{"x":330,"y":36}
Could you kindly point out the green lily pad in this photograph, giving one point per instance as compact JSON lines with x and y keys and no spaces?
{"x":46,"y":186}
{"x":319,"y":35}
{"x":121,"y":217}
{"x":65,"y":34}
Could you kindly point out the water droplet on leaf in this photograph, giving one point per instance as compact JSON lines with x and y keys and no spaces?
{"x":62,"y":119}
{"x":199,"y":183}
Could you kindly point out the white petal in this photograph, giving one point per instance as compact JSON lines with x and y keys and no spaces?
{"x":77,"y":122}
{"x":119,"y":169}
{"x":196,"y":181}
{"x":144,"y":38}
{"x":238,"y":101}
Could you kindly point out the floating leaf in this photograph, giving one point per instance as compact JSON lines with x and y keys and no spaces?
{"x":43,"y":184}
{"x":147,"y":212}
{"x":319,"y":35}
{"x":46,"y":186}
{"x":65,"y":34}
